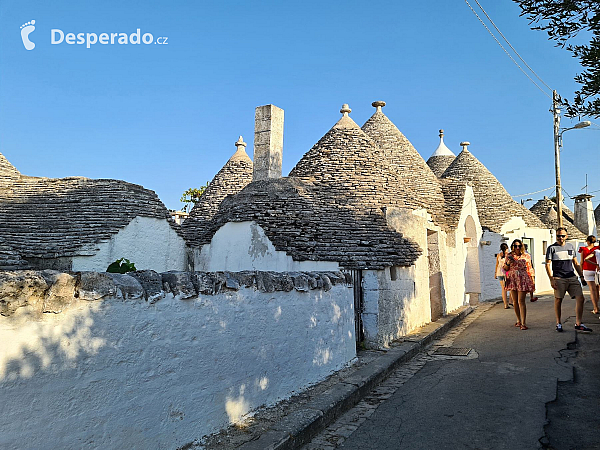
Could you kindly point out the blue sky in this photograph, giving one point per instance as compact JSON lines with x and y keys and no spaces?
{"x":167,"y":116}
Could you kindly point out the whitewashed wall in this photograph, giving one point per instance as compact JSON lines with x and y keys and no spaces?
{"x":395,"y":307}
{"x":148,"y":242}
{"x":114,"y":374}
{"x":238,"y":246}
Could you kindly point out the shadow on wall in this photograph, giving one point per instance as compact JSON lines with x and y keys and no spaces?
{"x":175,"y":367}
{"x":46,"y":343}
{"x":318,"y":334}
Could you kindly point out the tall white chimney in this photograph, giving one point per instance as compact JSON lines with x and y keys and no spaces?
{"x":584,"y":214}
{"x":268,"y":142}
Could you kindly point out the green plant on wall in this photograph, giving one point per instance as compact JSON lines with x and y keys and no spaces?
{"x":121,"y":266}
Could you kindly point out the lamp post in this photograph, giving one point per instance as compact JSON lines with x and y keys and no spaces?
{"x":558,"y":132}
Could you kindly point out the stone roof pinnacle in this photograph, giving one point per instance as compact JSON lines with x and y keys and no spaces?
{"x":241,"y":142}
{"x":464,"y":145}
{"x":378,"y":104}
{"x":345,"y":110}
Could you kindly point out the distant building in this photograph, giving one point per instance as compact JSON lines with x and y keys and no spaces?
{"x":178,"y":216}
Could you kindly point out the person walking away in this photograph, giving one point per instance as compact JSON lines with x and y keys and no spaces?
{"x":518,"y":281}
{"x":532,"y":297}
{"x":500,"y":274}
{"x":560,"y":261}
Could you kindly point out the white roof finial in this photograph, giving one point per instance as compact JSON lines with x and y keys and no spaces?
{"x":464,"y":145}
{"x":442,"y":150}
{"x":345,"y":110}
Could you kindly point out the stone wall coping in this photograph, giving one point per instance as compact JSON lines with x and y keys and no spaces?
{"x":51,"y":291}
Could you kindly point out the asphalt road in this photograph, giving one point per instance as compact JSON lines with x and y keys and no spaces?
{"x":517,"y":389}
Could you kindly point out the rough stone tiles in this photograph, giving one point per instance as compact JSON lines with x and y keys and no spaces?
{"x":441,"y":158}
{"x":546,"y":210}
{"x":65,"y":217}
{"x":232,"y":178}
{"x":329,"y":208}
{"x":494,"y":205}
{"x":410,"y":181}
{"x":454,"y":195}
{"x":301,"y":219}
{"x":597,"y":215}
{"x":8,"y":172}
{"x":9,"y":258}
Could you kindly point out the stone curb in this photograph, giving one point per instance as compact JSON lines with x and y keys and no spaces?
{"x":299,"y":427}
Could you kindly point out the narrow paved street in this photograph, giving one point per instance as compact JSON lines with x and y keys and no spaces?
{"x":499,"y":396}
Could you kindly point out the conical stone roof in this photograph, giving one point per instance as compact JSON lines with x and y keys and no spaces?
{"x":231,"y":179}
{"x":411,"y":182}
{"x":546,"y":210}
{"x":8,"y":172}
{"x":597,"y":216}
{"x":330,"y":208}
{"x":441,"y":158}
{"x":494,"y":205}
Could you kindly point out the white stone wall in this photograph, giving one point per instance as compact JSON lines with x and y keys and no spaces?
{"x":114,"y":374}
{"x":490,"y":286}
{"x":393,"y":308}
{"x":457,"y":252}
{"x":238,"y":246}
{"x":148,"y":242}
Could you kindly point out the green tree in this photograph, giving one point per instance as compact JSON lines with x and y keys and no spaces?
{"x":563,"y":20}
{"x":191,"y":196}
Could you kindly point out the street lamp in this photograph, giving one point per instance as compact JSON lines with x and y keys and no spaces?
{"x":558,"y":132}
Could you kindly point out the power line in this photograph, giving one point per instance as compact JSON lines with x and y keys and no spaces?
{"x":505,"y":51}
{"x":509,"y":44}
{"x":536,"y":192}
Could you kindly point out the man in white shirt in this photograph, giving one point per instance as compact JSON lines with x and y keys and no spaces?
{"x":560,"y":261}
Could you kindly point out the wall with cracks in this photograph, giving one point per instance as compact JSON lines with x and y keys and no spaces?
{"x":152,"y":360}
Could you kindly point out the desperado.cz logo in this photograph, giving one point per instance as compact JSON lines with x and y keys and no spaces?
{"x":58,"y":36}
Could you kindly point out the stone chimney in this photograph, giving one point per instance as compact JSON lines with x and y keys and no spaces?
{"x":268,"y":142}
{"x":584,"y":214}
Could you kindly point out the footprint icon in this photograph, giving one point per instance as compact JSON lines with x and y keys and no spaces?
{"x":26,"y":30}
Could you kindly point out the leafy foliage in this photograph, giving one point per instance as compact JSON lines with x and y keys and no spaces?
{"x":121,"y":266}
{"x":191,"y":196}
{"x":563,"y":20}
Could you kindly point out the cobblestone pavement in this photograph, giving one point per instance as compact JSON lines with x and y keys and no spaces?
{"x":338,"y":432}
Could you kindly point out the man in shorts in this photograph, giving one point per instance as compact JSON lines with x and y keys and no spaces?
{"x":560,"y":260}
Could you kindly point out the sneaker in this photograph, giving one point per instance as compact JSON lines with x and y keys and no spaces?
{"x":583,"y":328}
{"x":559,"y":327}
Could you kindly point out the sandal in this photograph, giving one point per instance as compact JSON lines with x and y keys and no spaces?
{"x":596,"y":312}
{"x":518,"y":324}
{"x":534,"y":299}
{"x":524,"y":327}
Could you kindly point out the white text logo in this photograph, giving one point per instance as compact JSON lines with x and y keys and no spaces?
{"x":58,"y":37}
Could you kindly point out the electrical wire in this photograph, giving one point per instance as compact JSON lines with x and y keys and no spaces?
{"x":509,"y":44}
{"x":536,"y":192}
{"x":505,"y":51}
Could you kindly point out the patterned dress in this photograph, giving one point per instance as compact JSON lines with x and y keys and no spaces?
{"x":518,"y":277}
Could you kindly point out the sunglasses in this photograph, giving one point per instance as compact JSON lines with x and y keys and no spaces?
{"x":561,"y":235}
{"x":517,"y":246}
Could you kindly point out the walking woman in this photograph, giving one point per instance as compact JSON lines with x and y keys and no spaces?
{"x":500,"y":274}
{"x":518,"y":281}
{"x":589,"y":266}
